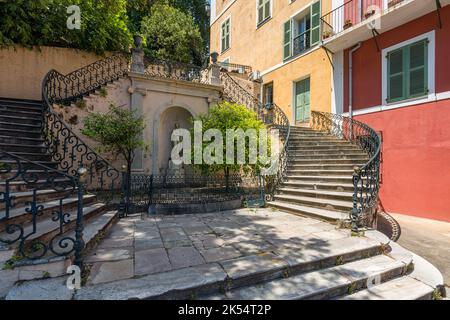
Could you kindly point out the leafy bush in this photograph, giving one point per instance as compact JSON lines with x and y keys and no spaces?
{"x":172,"y":34}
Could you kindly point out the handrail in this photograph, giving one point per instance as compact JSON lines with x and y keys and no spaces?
{"x":366,"y":179}
{"x":273,"y":116}
{"x":65,"y":146}
{"x":36,"y":177}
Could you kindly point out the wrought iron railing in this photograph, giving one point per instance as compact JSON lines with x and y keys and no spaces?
{"x":352,"y":13}
{"x":236,"y":68}
{"x":366,"y":179}
{"x":192,"y":188}
{"x":274,"y":117}
{"x":301,"y":43}
{"x":165,"y":69}
{"x":20,"y":229}
{"x":65,"y":146}
{"x":67,"y":89}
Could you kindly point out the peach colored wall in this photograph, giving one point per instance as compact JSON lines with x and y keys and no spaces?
{"x":23,"y":69}
{"x":262,"y":49}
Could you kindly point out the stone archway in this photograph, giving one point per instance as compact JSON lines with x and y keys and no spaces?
{"x":170,"y":119}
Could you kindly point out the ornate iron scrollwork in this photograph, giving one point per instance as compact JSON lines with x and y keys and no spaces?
{"x":366,"y":180}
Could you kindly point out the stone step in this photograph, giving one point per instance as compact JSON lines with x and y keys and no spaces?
{"x":36,"y":157}
{"x":20,"y":198}
{"x":340,"y":151}
{"x":14,"y":111}
{"x":320,"y":194}
{"x":318,"y":172}
{"x":20,"y":148}
{"x":47,"y":229}
{"x":20,"y":126}
{"x":34,"y":165}
{"x":307,"y":211}
{"x":331,"y":156}
{"x":20,"y":216}
{"x":22,"y":104}
{"x":24,"y":120}
{"x":336,"y":161}
{"x":309,"y":143}
{"x":319,"y":185}
{"x":318,"y":179}
{"x":33,"y":134}
{"x":404,"y":288}
{"x":21,"y":140}
{"x":303,"y":148}
{"x":21,"y":186}
{"x":234,"y":273}
{"x":340,"y":205}
{"x":324,"y":284}
{"x":321,"y":166}
{"x":29,"y":271}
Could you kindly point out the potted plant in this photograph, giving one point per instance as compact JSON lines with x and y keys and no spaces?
{"x":326,"y":34}
{"x":392,"y":3}
{"x":369,"y":14}
{"x":348,"y":24}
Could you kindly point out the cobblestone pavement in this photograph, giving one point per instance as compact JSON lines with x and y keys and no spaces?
{"x":143,"y":245}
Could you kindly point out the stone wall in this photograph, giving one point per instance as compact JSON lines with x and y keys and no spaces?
{"x":24,"y":69}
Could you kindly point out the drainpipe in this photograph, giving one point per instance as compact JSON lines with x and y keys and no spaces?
{"x":350,"y":86}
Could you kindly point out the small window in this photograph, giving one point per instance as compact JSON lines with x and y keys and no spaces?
{"x":407,"y":72}
{"x":225,"y":38}
{"x":268,"y":95}
{"x":264,"y":7}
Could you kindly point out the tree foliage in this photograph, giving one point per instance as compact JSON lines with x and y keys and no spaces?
{"x":172,"y":34}
{"x":223,"y":117}
{"x":44,"y":22}
{"x":108,"y":25}
{"x":118,"y":131}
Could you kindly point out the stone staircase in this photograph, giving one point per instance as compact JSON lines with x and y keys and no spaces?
{"x":20,"y":135}
{"x":319,"y":175}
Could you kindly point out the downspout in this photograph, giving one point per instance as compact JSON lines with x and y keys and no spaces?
{"x":350,"y":86}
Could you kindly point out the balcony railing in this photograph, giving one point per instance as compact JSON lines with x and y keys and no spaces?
{"x":237,"y":68}
{"x":301,"y":43}
{"x":352,"y":13}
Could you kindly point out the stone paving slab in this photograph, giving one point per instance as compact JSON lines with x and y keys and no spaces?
{"x":48,"y":289}
{"x":182,"y":257}
{"x":111,"y":271}
{"x":108,"y":254}
{"x":220,"y":254}
{"x":151,"y":261}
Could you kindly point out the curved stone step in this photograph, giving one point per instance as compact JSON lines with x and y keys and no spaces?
{"x":340,"y":205}
{"x":320,"y":194}
{"x":324,"y":166}
{"x":319,"y":172}
{"x":404,"y":288}
{"x":324,"y":284}
{"x":319,"y":185}
{"x":323,"y":214}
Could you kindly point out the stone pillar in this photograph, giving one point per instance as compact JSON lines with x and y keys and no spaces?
{"x":137,"y":56}
{"x":214,"y":71}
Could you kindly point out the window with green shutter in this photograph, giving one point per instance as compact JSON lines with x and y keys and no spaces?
{"x":225,"y":39}
{"x":407,"y":72}
{"x":263,"y":10}
{"x":302,"y":32}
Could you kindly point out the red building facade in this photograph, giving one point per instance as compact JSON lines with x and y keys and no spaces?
{"x":400,"y":81}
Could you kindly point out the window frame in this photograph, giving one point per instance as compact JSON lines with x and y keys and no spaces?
{"x":429,"y":68}
{"x":264,"y":20}
{"x":222,"y":50}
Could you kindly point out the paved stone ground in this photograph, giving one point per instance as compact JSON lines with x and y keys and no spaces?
{"x":139,"y":246}
{"x":429,"y":239}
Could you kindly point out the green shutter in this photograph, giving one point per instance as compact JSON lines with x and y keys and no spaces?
{"x":315,"y":23}
{"x":396,"y":77}
{"x":287,"y":42}
{"x":417,"y":80}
